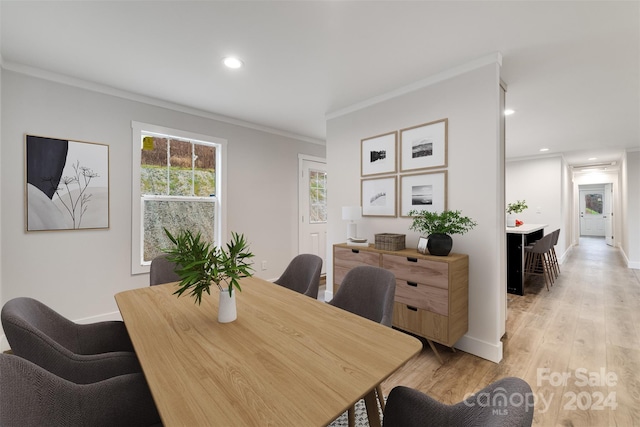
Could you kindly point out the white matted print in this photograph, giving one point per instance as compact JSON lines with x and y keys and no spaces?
{"x":67,"y":184}
{"x":378,"y":197}
{"x":423,"y":192}
{"x":378,"y":154}
{"x":424,"y":146}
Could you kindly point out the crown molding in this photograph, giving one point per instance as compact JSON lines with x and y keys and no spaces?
{"x":494,"y":58}
{"x":131,"y":96}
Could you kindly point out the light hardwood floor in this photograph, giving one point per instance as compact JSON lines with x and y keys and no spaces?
{"x":586,"y":326}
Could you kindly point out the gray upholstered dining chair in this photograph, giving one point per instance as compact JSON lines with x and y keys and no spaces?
{"x":162,"y":271}
{"x":368,"y":292}
{"x":302,"y":275}
{"x":31,"y":396}
{"x":507,"y":402}
{"x":81,"y":353}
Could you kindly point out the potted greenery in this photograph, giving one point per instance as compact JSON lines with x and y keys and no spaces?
{"x":515,"y":208}
{"x":438,"y":228}
{"x":201,"y":264}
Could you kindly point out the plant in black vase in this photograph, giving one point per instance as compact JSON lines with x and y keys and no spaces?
{"x":438,"y":228}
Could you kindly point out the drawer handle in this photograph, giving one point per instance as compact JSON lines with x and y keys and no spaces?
{"x":412,"y":259}
{"x":355,"y":251}
{"x":412,"y":308}
{"x":414,"y":284}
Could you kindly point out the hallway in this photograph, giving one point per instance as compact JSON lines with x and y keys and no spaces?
{"x":586,"y":328}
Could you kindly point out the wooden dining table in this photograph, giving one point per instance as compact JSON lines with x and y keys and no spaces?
{"x":287,"y":360}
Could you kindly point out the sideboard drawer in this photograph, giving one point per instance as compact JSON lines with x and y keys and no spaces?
{"x":418,"y":270}
{"x":422,"y":296}
{"x":344,"y":259}
{"x":421,"y":322}
{"x":350,"y":258}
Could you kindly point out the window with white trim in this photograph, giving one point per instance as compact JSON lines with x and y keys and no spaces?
{"x":177,"y":184}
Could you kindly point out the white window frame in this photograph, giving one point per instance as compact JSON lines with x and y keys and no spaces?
{"x":138,"y":266}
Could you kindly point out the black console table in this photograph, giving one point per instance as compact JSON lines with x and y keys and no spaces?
{"x":517,"y":239}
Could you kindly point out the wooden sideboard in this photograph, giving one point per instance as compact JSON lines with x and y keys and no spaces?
{"x":432,"y":292}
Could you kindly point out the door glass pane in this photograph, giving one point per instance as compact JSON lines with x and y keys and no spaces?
{"x":317,"y":197}
{"x":593,"y":204}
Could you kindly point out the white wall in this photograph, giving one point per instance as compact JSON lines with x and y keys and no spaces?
{"x":471,"y":102}
{"x":541,"y":183}
{"x":78,"y":272}
{"x":631,"y":222}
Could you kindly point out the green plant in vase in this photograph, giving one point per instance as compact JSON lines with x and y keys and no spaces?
{"x":515,"y":208}
{"x":201,"y":264}
{"x":438,"y":228}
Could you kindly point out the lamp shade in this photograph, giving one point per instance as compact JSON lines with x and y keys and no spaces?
{"x":351,"y":213}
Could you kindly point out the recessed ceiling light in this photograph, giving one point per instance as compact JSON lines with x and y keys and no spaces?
{"x":544,"y":149}
{"x":592,"y":158}
{"x":508,"y":112}
{"x":232,"y":62}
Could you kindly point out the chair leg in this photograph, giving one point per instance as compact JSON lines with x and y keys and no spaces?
{"x":547,"y":269}
{"x":535,"y":264}
{"x":556,"y":264}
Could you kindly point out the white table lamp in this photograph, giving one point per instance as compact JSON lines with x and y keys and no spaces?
{"x":351,"y":214}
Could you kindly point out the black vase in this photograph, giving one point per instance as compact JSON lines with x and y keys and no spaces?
{"x":439,"y":244}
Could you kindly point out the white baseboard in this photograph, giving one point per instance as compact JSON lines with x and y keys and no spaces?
{"x":491,"y":352}
{"x":564,"y":255}
{"x":328,"y":295}
{"x":630,"y":264}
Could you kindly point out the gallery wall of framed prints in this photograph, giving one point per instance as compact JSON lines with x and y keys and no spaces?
{"x":420,"y":156}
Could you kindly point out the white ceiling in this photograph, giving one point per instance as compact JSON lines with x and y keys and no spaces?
{"x":572,"y":68}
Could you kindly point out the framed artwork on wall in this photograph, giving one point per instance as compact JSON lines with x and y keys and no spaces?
{"x":67,"y":184}
{"x":423,"y":192}
{"x":378,"y":154}
{"x":424,"y":146}
{"x":378,"y":196}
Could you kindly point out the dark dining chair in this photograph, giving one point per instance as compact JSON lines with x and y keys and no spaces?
{"x":302,"y":275}
{"x":538,"y":259}
{"x":368,"y":292}
{"x":81,"y":353}
{"x":508,"y":402}
{"x":162,"y":271}
{"x":31,"y":396}
{"x":552,"y":252}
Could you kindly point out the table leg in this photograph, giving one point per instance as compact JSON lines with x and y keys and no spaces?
{"x":372,"y":408}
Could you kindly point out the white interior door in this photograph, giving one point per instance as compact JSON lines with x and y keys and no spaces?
{"x":592,"y":217}
{"x":312,"y":187}
{"x":608,"y":214}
